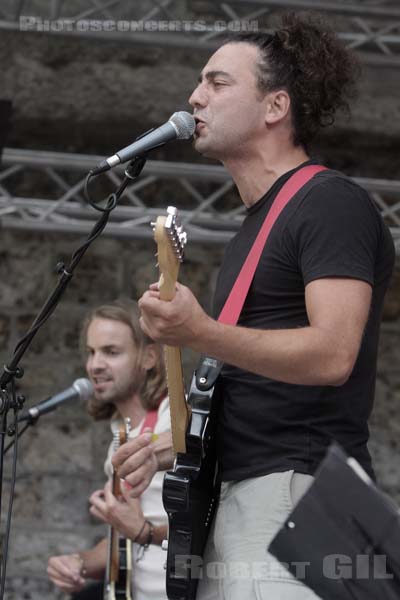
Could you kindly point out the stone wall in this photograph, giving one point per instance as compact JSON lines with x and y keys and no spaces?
{"x":92,"y":97}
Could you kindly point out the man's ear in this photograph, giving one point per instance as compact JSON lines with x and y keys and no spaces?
{"x":277,"y":106}
{"x":150,"y":357}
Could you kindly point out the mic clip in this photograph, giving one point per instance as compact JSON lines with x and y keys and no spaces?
{"x":135,"y":167}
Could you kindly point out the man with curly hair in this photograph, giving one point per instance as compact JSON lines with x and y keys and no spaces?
{"x":310,"y":321}
{"x":128,"y":376}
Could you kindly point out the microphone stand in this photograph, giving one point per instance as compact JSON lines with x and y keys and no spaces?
{"x":12,"y":431}
{"x":12,"y":370}
{"x":30,"y":420}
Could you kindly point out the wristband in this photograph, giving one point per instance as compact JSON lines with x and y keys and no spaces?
{"x":149,"y":540}
{"x":150,"y":536}
{"x":83,"y":570}
{"x":136,"y":540}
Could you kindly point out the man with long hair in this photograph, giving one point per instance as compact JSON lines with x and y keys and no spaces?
{"x":310,"y":321}
{"x":127,"y":372}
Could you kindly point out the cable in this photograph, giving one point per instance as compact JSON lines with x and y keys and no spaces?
{"x":10,"y":502}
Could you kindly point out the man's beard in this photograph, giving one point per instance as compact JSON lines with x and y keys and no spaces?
{"x":121,"y":394}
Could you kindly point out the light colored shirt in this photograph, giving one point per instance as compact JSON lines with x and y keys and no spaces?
{"x":148,"y":573}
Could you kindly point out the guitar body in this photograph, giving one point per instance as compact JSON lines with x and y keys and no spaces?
{"x":120,"y":589}
{"x":119,"y":586}
{"x":123,"y":585}
{"x":190,"y":495}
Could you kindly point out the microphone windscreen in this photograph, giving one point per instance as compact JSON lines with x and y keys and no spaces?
{"x":184,"y":124}
{"x":84,"y":388}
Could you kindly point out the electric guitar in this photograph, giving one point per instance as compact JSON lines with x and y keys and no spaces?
{"x":190,"y":490}
{"x":118,"y":580}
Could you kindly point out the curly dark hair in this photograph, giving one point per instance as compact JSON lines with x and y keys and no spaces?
{"x":306,"y":58}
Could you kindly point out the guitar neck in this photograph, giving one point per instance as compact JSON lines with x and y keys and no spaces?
{"x":177,"y":401}
{"x":170,"y":241}
{"x":112,"y":571}
{"x":119,"y":558}
{"x":176,"y":389}
{"x":113,"y":552}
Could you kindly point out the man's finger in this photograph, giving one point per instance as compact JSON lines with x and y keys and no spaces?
{"x":62,"y":576}
{"x":63,"y":569}
{"x":130,"y":449}
{"x":134,"y":462}
{"x":137,"y":490}
{"x":98,"y":503}
{"x":108,"y":494}
{"x":126,"y":489}
{"x":143,"y":473}
{"x":98,"y":514}
{"x":97,"y":499}
{"x":145,"y":329}
{"x":56,"y":574}
{"x":69,"y":586}
{"x":96,"y":494}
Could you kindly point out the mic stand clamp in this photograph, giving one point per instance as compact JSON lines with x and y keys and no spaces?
{"x":12,"y":430}
{"x":9,"y":403}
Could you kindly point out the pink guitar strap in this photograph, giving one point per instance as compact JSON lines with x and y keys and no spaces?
{"x":232,"y":308}
{"x":150,"y":421}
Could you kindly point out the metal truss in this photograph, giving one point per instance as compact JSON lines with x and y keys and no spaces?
{"x":205,"y":195}
{"x":371,"y":27}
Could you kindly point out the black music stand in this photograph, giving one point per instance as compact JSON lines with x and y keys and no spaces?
{"x":343,"y":537}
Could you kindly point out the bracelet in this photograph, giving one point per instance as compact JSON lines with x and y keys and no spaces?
{"x":150,"y":536}
{"x":136,"y":540}
{"x":83,"y":570}
{"x":143,"y":547}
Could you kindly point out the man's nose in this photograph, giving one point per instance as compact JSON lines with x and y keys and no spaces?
{"x":96,"y":362}
{"x":198,"y":97}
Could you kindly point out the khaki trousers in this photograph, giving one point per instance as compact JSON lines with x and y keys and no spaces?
{"x":237,"y":565}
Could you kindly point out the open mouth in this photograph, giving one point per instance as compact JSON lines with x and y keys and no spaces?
{"x":199,"y":124}
{"x":100,"y":381}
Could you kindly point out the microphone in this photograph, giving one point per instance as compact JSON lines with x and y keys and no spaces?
{"x":180,"y":126}
{"x":81,"y":388}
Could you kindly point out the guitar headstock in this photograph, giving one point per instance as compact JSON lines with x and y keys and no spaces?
{"x":121,"y":434}
{"x":171,"y":241}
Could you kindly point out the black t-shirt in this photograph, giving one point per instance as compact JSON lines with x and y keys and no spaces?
{"x":331,"y":228}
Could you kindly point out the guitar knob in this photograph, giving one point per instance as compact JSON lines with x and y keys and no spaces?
{"x":164,"y":545}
